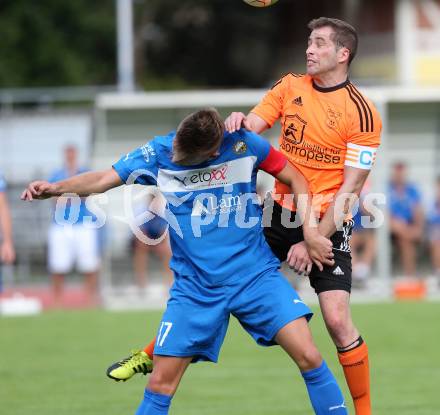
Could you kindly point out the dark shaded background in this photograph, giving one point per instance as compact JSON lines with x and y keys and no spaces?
{"x":178,"y":44}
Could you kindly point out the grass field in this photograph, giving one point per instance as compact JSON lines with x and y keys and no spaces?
{"x":55,"y":364}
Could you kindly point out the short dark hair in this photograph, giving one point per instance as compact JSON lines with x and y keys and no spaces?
{"x":344,"y":34}
{"x":197,"y":135}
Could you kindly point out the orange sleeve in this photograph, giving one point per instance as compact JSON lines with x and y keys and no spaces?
{"x":365,"y":125}
{"x":270,"y":107}
{"x":363,"y":135}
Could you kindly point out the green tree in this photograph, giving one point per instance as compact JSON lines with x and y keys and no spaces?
{"x":53,"y":42}
{"x":178,"y":44}
{"x":205,"y":43}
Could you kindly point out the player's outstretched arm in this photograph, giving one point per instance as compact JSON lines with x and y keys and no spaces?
{"x":251,"y":122}
{"x":82,"y":185}
{"x":319,"y":247}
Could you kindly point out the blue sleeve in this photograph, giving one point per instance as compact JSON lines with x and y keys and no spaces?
{"x":258,"y":145}
{"x":82,"y":170}
{"x":2,"y":183}
{"x":415,"y":194}
{"x":142,"y":163}
{"x":56,"y":176}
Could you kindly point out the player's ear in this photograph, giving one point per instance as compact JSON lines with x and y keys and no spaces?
{"x":343,"y":55}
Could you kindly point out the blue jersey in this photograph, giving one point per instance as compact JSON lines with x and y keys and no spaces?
{"x":63,"y":174}
{"x":403,"y":203}
{"x":212,"y":209}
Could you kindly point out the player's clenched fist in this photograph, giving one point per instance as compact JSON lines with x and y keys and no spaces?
{"x":39,"y":190}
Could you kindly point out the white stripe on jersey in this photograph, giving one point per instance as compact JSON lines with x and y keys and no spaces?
{"x":228,"y":173}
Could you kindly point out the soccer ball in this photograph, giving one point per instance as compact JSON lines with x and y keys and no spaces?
{"x":260,"y":3}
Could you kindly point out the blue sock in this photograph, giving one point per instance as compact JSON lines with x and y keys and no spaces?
{"x":154,"y":404}
{"x":324,"y":392}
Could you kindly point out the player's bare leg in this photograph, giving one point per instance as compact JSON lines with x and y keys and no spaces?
{"x":408,"y":254}
{"x":325,"y":395}
{"x":335,"y":309}
{"x":162,"y":385}
{"x":91,"y":286}
{"x":406,"y":245}
{"x":57,"y":288}
{"x":296,"y":339}
{"x":167,"y":373}
{"x":352,"y":350}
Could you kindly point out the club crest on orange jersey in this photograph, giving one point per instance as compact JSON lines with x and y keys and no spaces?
{"x":293,"y":129}
{"x":333,"y":118}
{"x":240,"y":147}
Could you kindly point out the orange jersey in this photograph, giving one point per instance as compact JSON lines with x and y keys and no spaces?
{"x":322,"y":130}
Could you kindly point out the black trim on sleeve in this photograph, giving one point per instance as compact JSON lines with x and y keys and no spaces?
{"x":362,"y":107}
{"x":356,"y":91}
{"x":361,"y":119}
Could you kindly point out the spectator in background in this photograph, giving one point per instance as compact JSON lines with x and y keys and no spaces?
{"x":434,"y":231}
{"x":406,"y":218}
{"x":363,"y":243}
{"x":7,"y":251}
{"x":154,"y":228}
{"x":70,"y":243}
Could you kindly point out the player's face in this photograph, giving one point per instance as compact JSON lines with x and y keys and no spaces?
{"x":399,"y":174}
{"x":70,"y":156}
{"x":321,"y":53}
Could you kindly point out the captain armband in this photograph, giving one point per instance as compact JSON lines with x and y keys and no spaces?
{"x":361,"y":157}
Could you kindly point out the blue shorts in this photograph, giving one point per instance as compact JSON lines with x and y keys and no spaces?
{"x":197,"y":317}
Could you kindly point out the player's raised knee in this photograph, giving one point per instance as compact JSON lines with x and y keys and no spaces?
{"x":162,"y":383}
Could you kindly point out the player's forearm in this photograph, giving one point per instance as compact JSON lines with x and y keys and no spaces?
{"x":339,"y":208}
{"x":306,"y":213}
{"x":303,"y":202}
{"x":255,"y":123}
{"x":327,"y":225}
{"x":83,"y":184}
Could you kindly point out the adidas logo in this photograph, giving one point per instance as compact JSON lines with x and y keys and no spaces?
{"x":338,"y":271}
{"x":298,"y":101}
